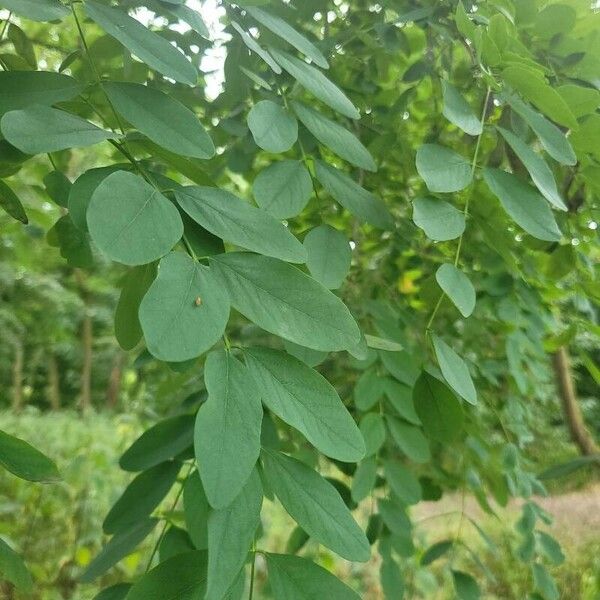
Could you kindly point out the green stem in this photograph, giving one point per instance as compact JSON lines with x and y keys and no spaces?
{"x":252,"y":570}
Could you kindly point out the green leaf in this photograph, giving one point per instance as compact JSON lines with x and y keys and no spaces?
{"x":534,"y":88}
{"x":457,"y":111}
{"x":151,"y":48}
{"x":24,"y":461}
{"x":181,"y":577}
{"x":163,"y":119}
{"x":196,"y":511}
{"x":11,"y":204}
{"x":465,"y":586}
{"x":20,"y":89}
{"x":368,"y":390}
{"x":401,"y":365}
{"x":552,"y":138}
{"x":379,"y":343}
{"x":395,"y":517}
{"x":338,"y":139}
{"x":581,"y":100}
{"x":185,"y":310}
{"x":174,"y":541}
{"x":141,"y":497}
{"x":240,"y":223}
{"x":161,"y":442}
{"x":400,"y":396}
{"x":392,"y":581}
{"x":316,"y":506}
{"x":544,"y":583}
{"x":230,"y":535}
{"x":537,"y":167}
{"x":40,"y":129}
{"x":454,"y":370}
{"x":438,"y":219}
{"x":403,"y":482}
{"x":550,"y":548}
{"x":191,"y":17}
{"x":443,"y":169}
{"x":37,"y":10}
{"x":307,"y":401}
{"x":523,"y":204}
{"x":128,"y":329}
{"x":363,"y":204}
{"x":436,"y":551}
{"x":310,"y":357}
{"x":563,"y":469}
{"x":316,"y":83}
{"x":438,"y":408}
{"x":296,"y":578}
{"x":283,"y":189}
{"x":131,"y":221}
{"x":227,"y":432}
{"x":273,"y":128}
{"x":82,"y":190}
{"x":328,"y":255}
{"x":13,"y":569}
{"x":114,"y":592}
{"x":284,"y":301}
{"x":458,"y":287}
{"x":287,"y":33}
{"x":410,"y":439}
{"x":118,"y":547}
{"x":364,"y":478}
{"x":58,"y":187}
{"x":372,"y":428}
{"x":253,"y":45}
{"x":73,"y":244}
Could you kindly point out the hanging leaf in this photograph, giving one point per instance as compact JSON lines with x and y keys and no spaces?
{"x":162,"y":442}
{"x":149,"y":47}
{"x":196,"y":511}
{"x":190,"y":16}
{"x":465,"y":586}
{"x":273,"y":128}
{"x":307,"y":401}
{"x":438,"y":219}
{"x":338,"y":139}
{"x":454,"y":370}
{"x":372,"y":428}
{"x":185,"y":310}
{"x":13,"y":569}
{"x":11,"y":203}
{"x":227,"y":432}
{"x":457,"y":111}
{"x":392,"y":581}
{"x":288,"y":34}
{"x":118,"y":591}
{"x":240,"y":223}
{"x":231,"y":532}
{"x":39,"y":129}
{"x":436,"y":551}
{"x":37,"y":10}
{"x":443,"y":169}
{"x":131,"y":221}
{"x":316,"y":506}
{"x":284,"y":301}
{"x":24,"y":461}
{"x":58,"y":187}
{"x":141,"y":497}
{"x":118,"y":547}
{"x":523,"y":204}
{"x":20,"y":89}
{"x":361,"y":203}
{"x":328,"y":255}
{"x":458,"y":287}
{"x":410,"y":439}
{"x":74,"y":244}
{"x":296,"y":578}
{"x":437,"y":407}
{"x":182,"y":577}
{"x":283,"y":188}
{"x":552,"y":138}
{"x":364,"y":478}
{"x":253,"y":45}
{"x":128,"y":329}
{"x":544,"y":583}
{"x":403,"y":482}
{"x":163,"y":119}
{"x":537,"y":167}
{"x":316,"y":83}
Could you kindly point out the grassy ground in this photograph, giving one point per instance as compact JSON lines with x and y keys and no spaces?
{"x":57,"y":528}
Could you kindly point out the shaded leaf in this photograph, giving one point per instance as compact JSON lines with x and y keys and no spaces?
{"x":25,"y":461}
{"x":455,"y":370}
{"x":438,"y":219}
{"x":458,"y":287}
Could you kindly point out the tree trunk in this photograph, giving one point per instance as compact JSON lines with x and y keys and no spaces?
{"x":53,"y":383}
{"x":114,"y":381}
{"x":87,"y":338}
{"x":17,"y":391}
{"x":579,"y":433}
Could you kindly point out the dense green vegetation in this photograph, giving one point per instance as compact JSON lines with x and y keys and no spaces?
{"x":328,"y":330}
